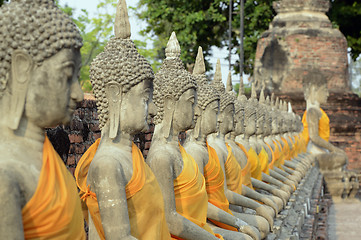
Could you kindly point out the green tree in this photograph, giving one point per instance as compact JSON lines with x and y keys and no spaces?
{"x":95,"y":31}
{"x":205,"y":23}
{"x":346,"y":14}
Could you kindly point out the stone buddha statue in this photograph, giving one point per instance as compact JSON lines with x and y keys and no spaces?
{"x":232,"y":169}
{"x":205,"y":156}
{"x":39,"y":64}
{"x":122,"y":195}
{"x":251,"y":117}
{"x":182,"y":184}
{"x":330,"y":159}
{"x":241,"y":156}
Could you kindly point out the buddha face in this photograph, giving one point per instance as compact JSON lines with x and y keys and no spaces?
{"x":226,"y":123}
{"x":54,"y":89}
{"x":183,"y":118}
{"x":209,"y":118}
{"x":239,"y":123}
{"x":318,"y":94}
{"x":134,"y":111}
{"x":250,"y":124}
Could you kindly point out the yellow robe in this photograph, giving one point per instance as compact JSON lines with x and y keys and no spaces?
{"x":246,"y":171}
{"x":144,"y":198}
{"x":233,"y":172}
{"x":214,"y":177}
{"x":263,"y":158}
{"x":256,"y":170}
{"x":190,"y":194}
{"x":323,"y":127}
{"x":54,"y":211}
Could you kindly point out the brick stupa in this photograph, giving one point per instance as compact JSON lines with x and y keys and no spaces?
{"x":301,"y":37}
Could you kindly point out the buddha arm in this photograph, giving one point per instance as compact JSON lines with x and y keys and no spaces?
{"x":271,"y":189}
{"x":11,"y":224}
{"x":107,"y":178}
{"x":313,"y":116}
{"x":239,"y":200}
{"x":219,"y":215}
{"x":250,"y":193}
{"x":178,"y":225}
{"x":276,"y":182}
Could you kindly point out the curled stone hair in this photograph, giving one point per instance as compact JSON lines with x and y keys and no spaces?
{"x":251,"y":106}
{"x":172,"y":80}
{"x":217,"y":84}
{"x":205,"y":93}
{"x":37,"y":27}
{"x":120,"y":62}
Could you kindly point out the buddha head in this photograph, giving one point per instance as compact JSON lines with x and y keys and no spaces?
{"x":226,"y":104}
{"x":250,"y":113}
{"x":261,"y":114}
{"x":39,"y":64}
{"x":267,"y":130}
{"x":122,"y":82}
{"x":174,"y":92}
{"x":239,"y":103}
{"x":274,"y":114}
{"x":207,"y":99}
{"x":315,"y":87}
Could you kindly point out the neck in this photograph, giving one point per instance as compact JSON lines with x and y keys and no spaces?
{"x":312,"y":104}
{"x":122,"y":140}
{"x":167,"y":136}
{"x":28,"y":134}
{"x":199,"y":138}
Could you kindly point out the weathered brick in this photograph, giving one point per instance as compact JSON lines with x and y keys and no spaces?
{"x":75,"y":138}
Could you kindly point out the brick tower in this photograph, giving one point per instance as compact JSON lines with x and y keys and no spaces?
{"x":300,"y":38}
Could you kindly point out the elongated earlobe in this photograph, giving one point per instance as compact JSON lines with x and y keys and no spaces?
{"x":197,"y":128}
{"x":21,"y":65}
{"x":113,"y":93}
{"x":169,"y":109}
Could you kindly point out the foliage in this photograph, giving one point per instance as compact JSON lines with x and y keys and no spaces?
{"x":95,"y":31}
{"x":346,"y":14}
{"x":205,"y":23}
{"x":196,"y":23}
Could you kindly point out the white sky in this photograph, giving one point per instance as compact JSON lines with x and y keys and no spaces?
{"x":138,"y":25}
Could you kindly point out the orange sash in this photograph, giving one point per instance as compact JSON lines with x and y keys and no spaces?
{"x":233,"y":172}
{"x":263,"y":158}
{"x":214,"y":177}
{"x":246,"y":171}
{"x":190,"y":194}
{"x":54,"y":211}
{"x":144,"y":198}
{"x":256,"y":171}
{"x":275,"y":155}
{"x":323,"y":126}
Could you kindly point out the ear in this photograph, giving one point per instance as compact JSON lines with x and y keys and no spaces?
{"x":113,"y":92}
{"x":169,"y":108}
{"x":21,"y":66}
{"x":197,"y":127}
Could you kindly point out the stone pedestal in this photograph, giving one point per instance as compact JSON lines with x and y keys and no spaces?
{"x":301,"y":38}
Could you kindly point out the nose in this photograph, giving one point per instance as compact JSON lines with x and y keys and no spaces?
{"x":152,"y":109}
{"x":76,"y":93}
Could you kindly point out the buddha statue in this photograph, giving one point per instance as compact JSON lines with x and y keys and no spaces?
{"x":221,"y":217}
{"x":182,"y":184}
{"x":122,"y":195}
{"x":241,"y":156}
{"x":39,"y":65}
{"x":232,"y":169}
{"x":251,"y":107}
{"x":330,"y":159}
